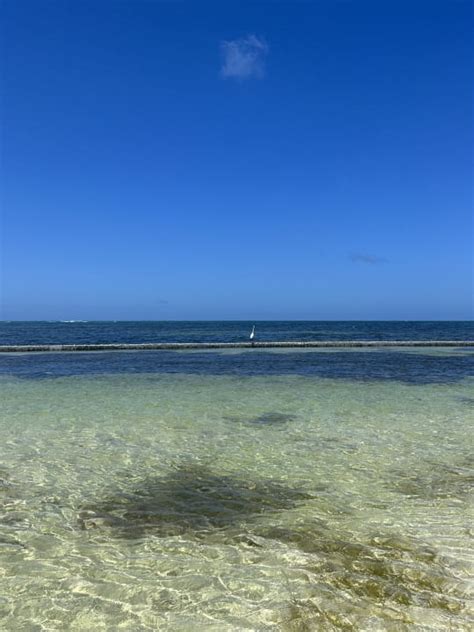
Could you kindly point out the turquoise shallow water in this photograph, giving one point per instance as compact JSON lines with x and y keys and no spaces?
{"x":237,"y":491}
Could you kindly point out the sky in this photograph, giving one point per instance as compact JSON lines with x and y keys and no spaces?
{"x":232,"y":160}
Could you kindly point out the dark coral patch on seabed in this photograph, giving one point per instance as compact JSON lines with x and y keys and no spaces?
{"x":192,"y":499}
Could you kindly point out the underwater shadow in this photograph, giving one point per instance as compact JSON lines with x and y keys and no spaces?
{"x":190,"y":499}
{"x":271,"y":418}
{"x":194,"y":501}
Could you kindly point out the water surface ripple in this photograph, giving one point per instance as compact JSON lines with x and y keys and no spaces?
{"x":237,"y":491}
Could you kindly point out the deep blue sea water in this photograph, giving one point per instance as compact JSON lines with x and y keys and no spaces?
{"x":427,"y":366}
{"x":97,"y":332}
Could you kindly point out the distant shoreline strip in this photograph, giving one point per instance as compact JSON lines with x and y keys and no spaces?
{"x":179,"y":346}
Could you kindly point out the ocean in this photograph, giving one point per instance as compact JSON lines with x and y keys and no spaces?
{"x":236,"y":489}
{"x":103,"y":332}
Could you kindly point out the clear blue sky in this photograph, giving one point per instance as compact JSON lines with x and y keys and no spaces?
{"x":173,"y":160}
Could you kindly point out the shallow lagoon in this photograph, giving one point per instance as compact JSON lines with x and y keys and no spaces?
{"x":237,"y":490}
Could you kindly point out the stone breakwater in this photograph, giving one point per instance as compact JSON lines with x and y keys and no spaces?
{"x":178,"y":346}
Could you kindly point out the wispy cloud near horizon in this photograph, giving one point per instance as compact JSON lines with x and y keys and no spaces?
{"x":372,"y":260}
{"x":244,"y":58}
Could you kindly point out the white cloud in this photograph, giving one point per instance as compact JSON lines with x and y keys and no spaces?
{"x":244,"y":58}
